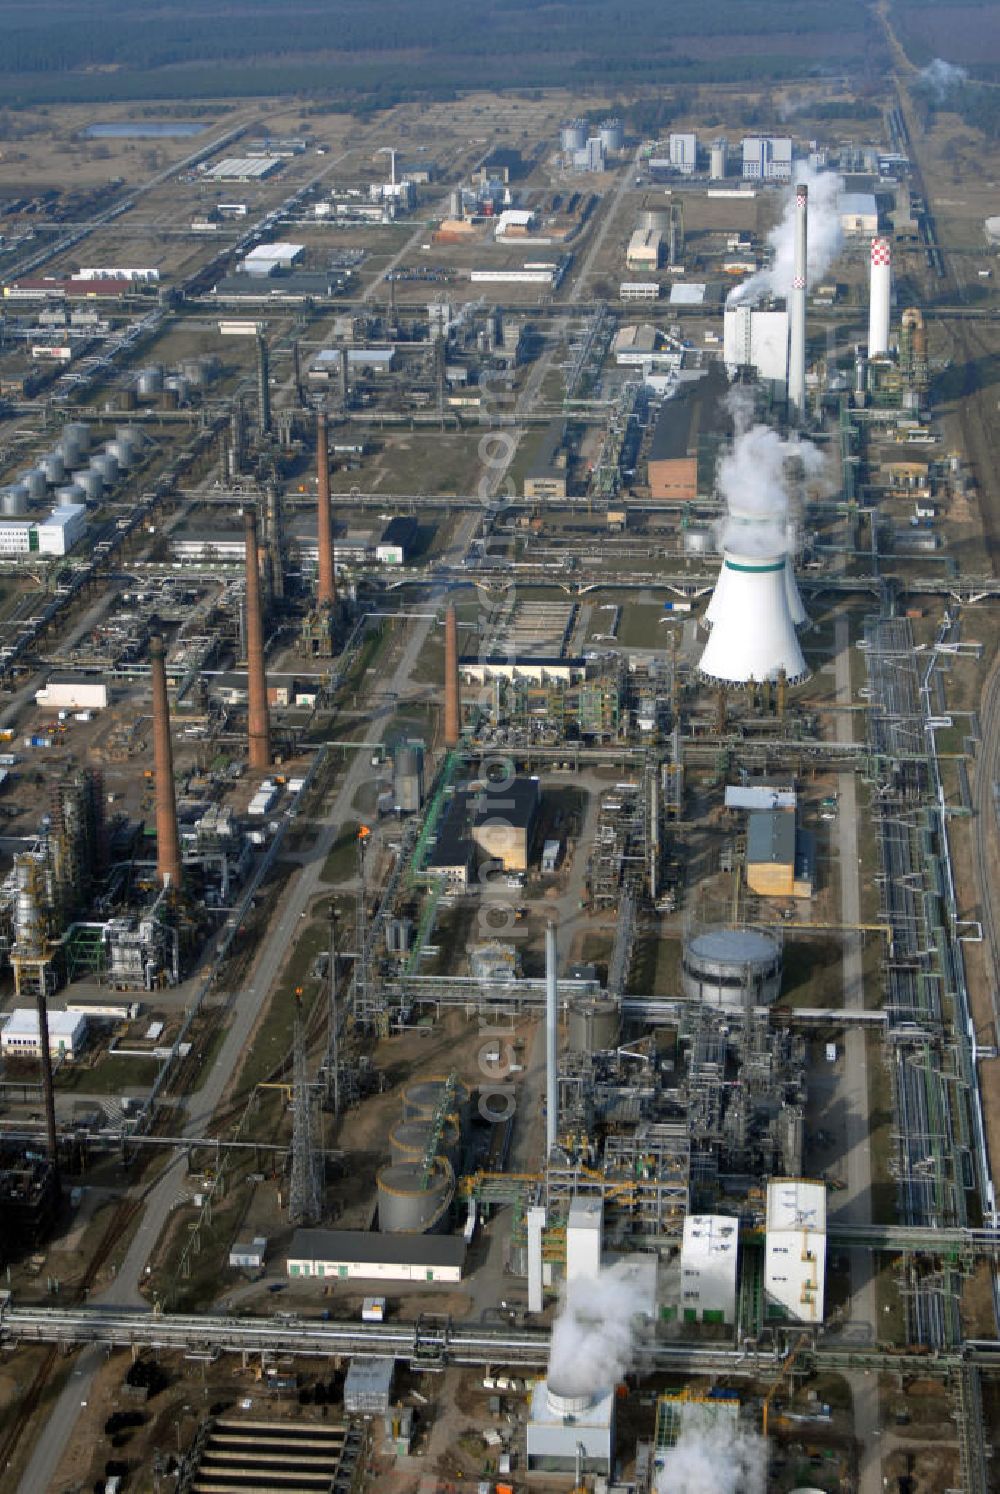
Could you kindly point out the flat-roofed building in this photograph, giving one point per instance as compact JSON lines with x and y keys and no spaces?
{"x":689,"y":429}
{"x":349,"y":1254}
{"x":645,"y":250}
{"x":708,"y":1268}
{"x":546,"y":477}
{"x":795,"y":1249}
{"x":19,"y":1036}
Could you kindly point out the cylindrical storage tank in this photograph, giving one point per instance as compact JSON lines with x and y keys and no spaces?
{"x":168,"y":399}
{"x":409,"y":1140}
{"x":150,"y":380}
{"x":593,"y":1026}
{"x":132,"y":435}
{"x":194,"y":371}
{"x":409,"y":1204}
{"x":179,"y":384}
{"x":35,"y":484}
{"x":122,"y":453}
{"x":71,"y":493}
{"x":573,"y":136}
{"x":92,"y":483}
{"x":79,"y":431}
{"x":718,"y":159}
{"x":14,"y":500}
{"x":731,"y":967}
{"x":422,"y":1099}
{"x":72,"y":451}
{"x":54,"y":468}
{"x":612,"y":135}
{"x":107,"y":465}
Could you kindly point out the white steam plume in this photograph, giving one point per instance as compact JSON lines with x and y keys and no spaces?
{"x":713,"y":1456}
{"x":754,"y":480}
{"x":593,"y":1338}
{"x":825,"y":238}
{"x":740,"y":404}
{"x":940,"y":78}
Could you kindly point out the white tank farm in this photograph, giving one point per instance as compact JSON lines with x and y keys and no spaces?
{"x":731,"y":967}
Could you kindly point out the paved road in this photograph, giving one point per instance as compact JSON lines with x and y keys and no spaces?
{"x":853,"y":1205}
{"x":581,"y":279}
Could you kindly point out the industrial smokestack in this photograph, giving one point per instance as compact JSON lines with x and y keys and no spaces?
{"x":168,"y":852}
{"x":879,"y":296}
{"x":551,"y":1042}
{"x":258,"y":726}
{"x":452,"y":698}
{"x":326,"y":585}
{"x":797,"y":306}
{"x":263,"y":387}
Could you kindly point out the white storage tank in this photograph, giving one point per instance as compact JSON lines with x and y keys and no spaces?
{"x":79,"y":431}
{"x":92,"y":483}
{"x":35,"y":484}
{"x":122,"y":453}
{"x":731,"y":967}
{"x":612,"y":136}
{"x":409,"y":1202}
{"x":150,"y":381}
{"x":14,"y":501}
{"x":107,"y":465}
{"x":54,"y":467}
{"x":71,"y":493}
{"x":573,"y":136}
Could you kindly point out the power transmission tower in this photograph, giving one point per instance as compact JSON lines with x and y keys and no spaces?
{"x":305,"y":1196}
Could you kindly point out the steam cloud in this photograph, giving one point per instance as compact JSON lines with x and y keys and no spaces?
{"x":754,"y":480}
{"x":824,"y":238}
{"x":593,"y":1338}
{"x":940,"y":78}
{"x":713,"y":1456}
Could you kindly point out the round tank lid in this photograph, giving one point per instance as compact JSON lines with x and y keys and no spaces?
{"x":736,"y":945}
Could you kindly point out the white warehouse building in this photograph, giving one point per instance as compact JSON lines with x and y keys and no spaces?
{"x":19,"y":1036}
{"x":709,"y":1253}
{"x":56,"y":535}
{"x":795,"y":1249}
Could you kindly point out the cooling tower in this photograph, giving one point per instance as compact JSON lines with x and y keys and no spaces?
{"x":753,"y":635}
{"x":880,"y":292}
{"x":795,"y":604}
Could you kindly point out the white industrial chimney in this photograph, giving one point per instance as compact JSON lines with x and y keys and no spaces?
{"x":551,"y":1041}
{"x":878,"y":307}
{"x":797,"y":308}
{"x":753,"y":633}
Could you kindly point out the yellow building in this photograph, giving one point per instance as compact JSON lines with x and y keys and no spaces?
{"x":780,"y":858}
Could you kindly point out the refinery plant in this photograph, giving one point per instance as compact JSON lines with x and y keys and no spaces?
{"x":498,"y":762}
